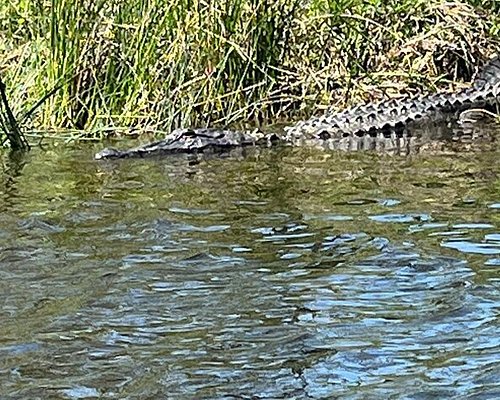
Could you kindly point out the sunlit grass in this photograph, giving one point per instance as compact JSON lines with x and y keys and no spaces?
{"x":161,"y":64}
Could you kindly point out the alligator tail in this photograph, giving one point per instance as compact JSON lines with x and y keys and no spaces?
{"x":490,"y":74}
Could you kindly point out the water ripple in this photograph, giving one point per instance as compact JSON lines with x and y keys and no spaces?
{"x":278,"y":275}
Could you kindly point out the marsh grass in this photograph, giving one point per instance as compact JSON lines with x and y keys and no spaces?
{"x":156,"y":65}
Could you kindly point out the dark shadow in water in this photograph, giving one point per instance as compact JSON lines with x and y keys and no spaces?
{"x":422,"y":138}
{"x":12,"y":169}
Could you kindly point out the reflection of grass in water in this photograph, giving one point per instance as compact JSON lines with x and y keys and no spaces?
{"x":162,"y":64}
{"x":296,"y":185}
{"x":299,"y":186}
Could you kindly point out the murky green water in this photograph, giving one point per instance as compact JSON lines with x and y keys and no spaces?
{"x":287,"y":273}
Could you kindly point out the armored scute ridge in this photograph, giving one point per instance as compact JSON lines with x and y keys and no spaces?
{"x":397,"y":114}
{"x":388,"y":117}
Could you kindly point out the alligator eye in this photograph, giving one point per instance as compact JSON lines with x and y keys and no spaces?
{"x":324,"y":135}
{"x":188,"y":132}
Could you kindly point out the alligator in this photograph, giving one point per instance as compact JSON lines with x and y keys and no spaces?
{"x":394,"y":118}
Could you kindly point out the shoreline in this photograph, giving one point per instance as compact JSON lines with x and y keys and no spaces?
{"x":261,"y":66}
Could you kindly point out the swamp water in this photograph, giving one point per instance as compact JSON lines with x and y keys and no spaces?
{"x":284,"y":274}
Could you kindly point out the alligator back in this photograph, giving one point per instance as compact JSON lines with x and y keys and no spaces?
{"x":489,"y":76}
{"x":397,"y":114}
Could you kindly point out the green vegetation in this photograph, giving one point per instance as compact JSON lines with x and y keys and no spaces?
{"x":159,"y":64}
{"x":8,"y":123}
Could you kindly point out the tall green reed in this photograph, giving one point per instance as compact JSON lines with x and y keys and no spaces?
{"x":161,"y":64}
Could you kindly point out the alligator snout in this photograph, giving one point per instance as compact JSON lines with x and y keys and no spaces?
{"x":108,"y":152}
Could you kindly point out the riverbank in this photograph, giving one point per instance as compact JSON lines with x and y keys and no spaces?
{"x":156,"y":66}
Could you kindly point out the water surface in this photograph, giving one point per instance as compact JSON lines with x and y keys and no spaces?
{"x":278,"y":273}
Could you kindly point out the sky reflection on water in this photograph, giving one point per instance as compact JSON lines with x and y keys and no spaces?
{"x":287,"y":273}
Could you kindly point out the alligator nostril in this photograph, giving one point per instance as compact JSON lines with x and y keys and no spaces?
{"x":108,"y":152}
